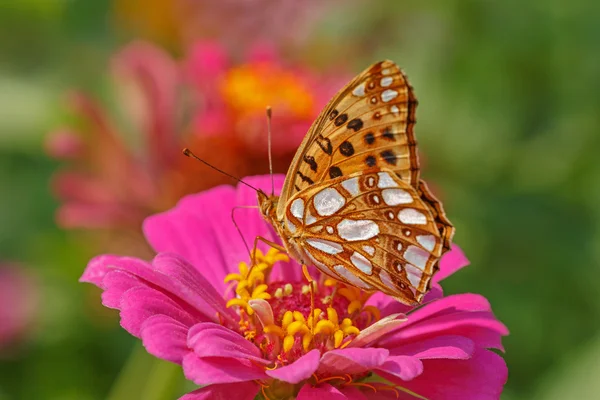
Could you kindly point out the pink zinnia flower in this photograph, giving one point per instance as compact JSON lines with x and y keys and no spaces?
{"x":119,"y":173}
{"x":241,"y":333}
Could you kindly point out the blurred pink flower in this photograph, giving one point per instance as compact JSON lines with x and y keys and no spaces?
{"x":233,"y":97}
{"x":119,"y":173}
{"x":18,"y":304}
{"x":241,"y":333}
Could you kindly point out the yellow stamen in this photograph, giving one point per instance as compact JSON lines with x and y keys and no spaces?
{"x":287,"y":319}
{"x":306,"y":340}
{"x":236,"y":302}
{"x":232,"y":277}
{"x":324,"y":326}
{"x":297,"y":326}
{"x":288,"y":343}
{"x":338,"y":338}
{"x":354,"y":306}
{"x":351,"y":330}
{"x":332,"y":315}
{"x":274,"y":329}
{"x":374,"y":311}
{"x":298,"y":316}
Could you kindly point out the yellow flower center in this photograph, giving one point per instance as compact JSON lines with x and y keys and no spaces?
{"x":249,"y":88}
{"x":278,"y":317}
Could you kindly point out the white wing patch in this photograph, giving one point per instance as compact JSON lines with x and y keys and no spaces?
{"x":412,"y":217}
{"x":427,"y":241}
{"x":350,"y":277}
{"x":360,"y":262}
{"x":351,"y":185}
{"x":359,"y":91}
{"x":393,"y":197}
{"x":328,"y":201}
{"x":357,"y":230}
{"x":385,"y":181}
{"x":386,"y":279}
{"x":413,"y":274}
{"x":325,"y":246}
{"x":416,"y":256}
{"x":388,"y":95}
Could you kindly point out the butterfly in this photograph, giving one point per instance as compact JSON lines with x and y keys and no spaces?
{"x":352,"y":203}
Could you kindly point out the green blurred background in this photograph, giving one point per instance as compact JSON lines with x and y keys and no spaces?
{"x":508,"y":123}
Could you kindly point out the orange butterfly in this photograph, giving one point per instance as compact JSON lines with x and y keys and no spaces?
{"x":352,"y":203}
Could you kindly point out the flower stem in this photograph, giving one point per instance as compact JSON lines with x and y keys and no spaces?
{"x":146,"y":377}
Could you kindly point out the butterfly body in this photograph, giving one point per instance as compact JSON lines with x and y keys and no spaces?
{"x":352,"y":203}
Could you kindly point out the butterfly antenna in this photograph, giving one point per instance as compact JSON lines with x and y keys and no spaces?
{"x":269,"y":114}
{"x":187,"y":152}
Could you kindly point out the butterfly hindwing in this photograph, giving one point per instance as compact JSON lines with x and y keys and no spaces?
{"x":369,"y":229}
{"x":368,"y":124}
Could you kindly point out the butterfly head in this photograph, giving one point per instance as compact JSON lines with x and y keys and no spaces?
{"x":267,"y":205}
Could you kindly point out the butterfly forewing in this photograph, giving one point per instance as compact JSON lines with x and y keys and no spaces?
{"x":368,"y":124}
{"x":369,"y":229}
{"x":352,"y":203}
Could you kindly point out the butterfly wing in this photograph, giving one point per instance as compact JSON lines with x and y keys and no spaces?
{"x":368,"y":124}
{"x":371,"y":230}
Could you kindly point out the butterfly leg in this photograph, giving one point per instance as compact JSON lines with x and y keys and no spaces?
{"x":311,"y":286}
{"x":267,"y":242}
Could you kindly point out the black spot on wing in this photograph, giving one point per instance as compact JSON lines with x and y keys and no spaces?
{"x":305,"y":178}
{"x":387,"y":134}
{"x":347,"y":149}
{"x":325,"y":144}
{"x":389,"y":157}
{"x":310,"y":160}
{"x":369,"y":138}
{"x":356,"y":124}
{"x":333,"y":114}
{"x":341,"y":120}
{"x":370,"y":161}
{"x":335,"y":172}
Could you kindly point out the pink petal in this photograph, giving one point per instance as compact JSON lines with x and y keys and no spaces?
{"x":239,"y":391}
{"x":403,"y":367}
{"x":452,"y":347}
{"x":301,"y":369}
{"x":351,"y":360}
{"x":378,"y":329}
{"x":195,"y":295}
{"x":465,"y":315}
{"x":193,"y":283}
{"x":387,"y":305}
{"x":451,"y":262}
{"x":165,"y":338}
{"x":211,"y":370}
{"x":115,"y":283}
{"x":353,"y":393}
{"x":321,"y":392}
{"x":140,"y":303}
{"x":195,"y":230}
{"x":211,"y":340}
{"x":480,"y":378}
